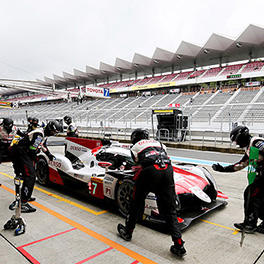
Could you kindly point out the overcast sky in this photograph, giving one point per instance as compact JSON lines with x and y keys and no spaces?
{"x":42,"y":38}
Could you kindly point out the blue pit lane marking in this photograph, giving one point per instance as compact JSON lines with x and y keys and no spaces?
{"x":197,"y":161}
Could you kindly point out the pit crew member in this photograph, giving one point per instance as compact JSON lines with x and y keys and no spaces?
{"x":254,"y":192}
{"x":72,"y":131}
{"x":6,"y":135}
{"x":155,"y":175}
{"x":24,"y":153}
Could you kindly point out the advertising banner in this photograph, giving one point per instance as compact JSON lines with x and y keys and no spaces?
{"x":142,"y":87}
{"x":248,"y":84}
{"x":5,"y":104}
{"x":153,"y":86}
{"x":96,"y":92}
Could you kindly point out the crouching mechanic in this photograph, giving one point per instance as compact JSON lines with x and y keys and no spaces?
{"x":24,"y":153}
{"x":155,"y":175}
{"x":254,"y":192}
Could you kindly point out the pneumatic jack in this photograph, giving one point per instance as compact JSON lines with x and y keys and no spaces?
{"x":17,"y":222}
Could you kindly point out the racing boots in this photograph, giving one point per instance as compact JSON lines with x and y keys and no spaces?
{"x":12,"y":206}
{"x":32,"y":199}
{"x":124,"y":233}
{"x":178,"y":248}
{"x":27,"y":208}
{"x":260,"y":228}
{"x":247,"y":228}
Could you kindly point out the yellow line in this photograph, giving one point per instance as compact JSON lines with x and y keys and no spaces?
{"x":92,"y":233}
{"x":225,"y":227}
{"x":63,"y":199}
{"x":70,"y":202}
{"x":7,"y":175}
{"x":235,"y":231}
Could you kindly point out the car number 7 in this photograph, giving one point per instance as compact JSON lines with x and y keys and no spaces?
{"x":95,"y":185}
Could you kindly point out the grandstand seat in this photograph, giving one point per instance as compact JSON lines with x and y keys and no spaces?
{"x":212,"y":72}
{"x":183,"y":75}
{"x":168,"y":78}
{"x":231,"y":69}
{"x":253,"y":66}
{"x":196,"y":74}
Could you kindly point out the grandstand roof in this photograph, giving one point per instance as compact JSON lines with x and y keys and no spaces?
{"x":217,"y":49}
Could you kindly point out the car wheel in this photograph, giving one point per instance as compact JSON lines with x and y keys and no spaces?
{"x":124,"y":195}
{"x":42,"y":171}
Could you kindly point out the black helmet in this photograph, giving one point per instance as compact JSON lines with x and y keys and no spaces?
{"x":52,"y":128}
{"x":30,"y":119}
{"x":34,"y":122}
{"x":8,"y":124}
{"x":240,"y":135}
{"x":67,"y":119}
{"x":139,"y":134}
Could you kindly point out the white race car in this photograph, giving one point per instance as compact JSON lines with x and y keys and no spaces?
{"x":107,"y":172}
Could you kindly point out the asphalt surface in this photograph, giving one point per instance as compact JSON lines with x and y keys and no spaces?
{"x":69,"y":227}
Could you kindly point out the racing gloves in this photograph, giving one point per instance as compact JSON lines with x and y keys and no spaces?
{"x":220,"y":168}
{"x":50,"y":156}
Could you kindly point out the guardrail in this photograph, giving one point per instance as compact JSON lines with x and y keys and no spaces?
{"x":123,"y":134}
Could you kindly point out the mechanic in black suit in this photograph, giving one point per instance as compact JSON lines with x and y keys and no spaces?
{"x":72,"y":131}
{"x":6,"y":135}
{"x":33,"y":124}
{"x":254,"y":192}
{"x":24,"y":153}
{"x":155,"y":175}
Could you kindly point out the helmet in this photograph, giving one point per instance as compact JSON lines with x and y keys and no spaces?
{"x":34,"y":122}
{"x":139,"y":134}
{"x":67,"y":119}
{"x":29,"y":119}
{"x":52,"y":128}
{"x":240,"y":135}
{"x":8,"y":124}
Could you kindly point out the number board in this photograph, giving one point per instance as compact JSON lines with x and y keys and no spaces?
{"x":97,"y":189}
{"x":252,"y":165}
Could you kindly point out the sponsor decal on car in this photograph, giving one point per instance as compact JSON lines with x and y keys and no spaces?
{"x":109,"y":186}
{"x":108,"y":179}
{"x":55,"y":164}
{"x":108,"y":192}
{"x":151,"y":197}
{"x":78,"y":148}
{"x":150,"y":207}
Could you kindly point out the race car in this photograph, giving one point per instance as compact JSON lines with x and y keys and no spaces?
{"x":106,"y":171}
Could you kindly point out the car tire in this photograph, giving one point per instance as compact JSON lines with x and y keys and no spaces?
{"x":42,"y":171}
{"x":124,"y":195}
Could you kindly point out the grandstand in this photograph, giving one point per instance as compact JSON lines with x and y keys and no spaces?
{"x":215,"y":85}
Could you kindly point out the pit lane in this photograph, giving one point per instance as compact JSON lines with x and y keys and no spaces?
{"x":69,"y":228}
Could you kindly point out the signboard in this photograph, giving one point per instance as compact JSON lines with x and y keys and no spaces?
{"x":248,"y":84}
{"x":233,"y":76}
{"x":252,"y":166}
{"x":162,"y":111}
{"x":154,"y":85}
{"x":96,"y":92}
